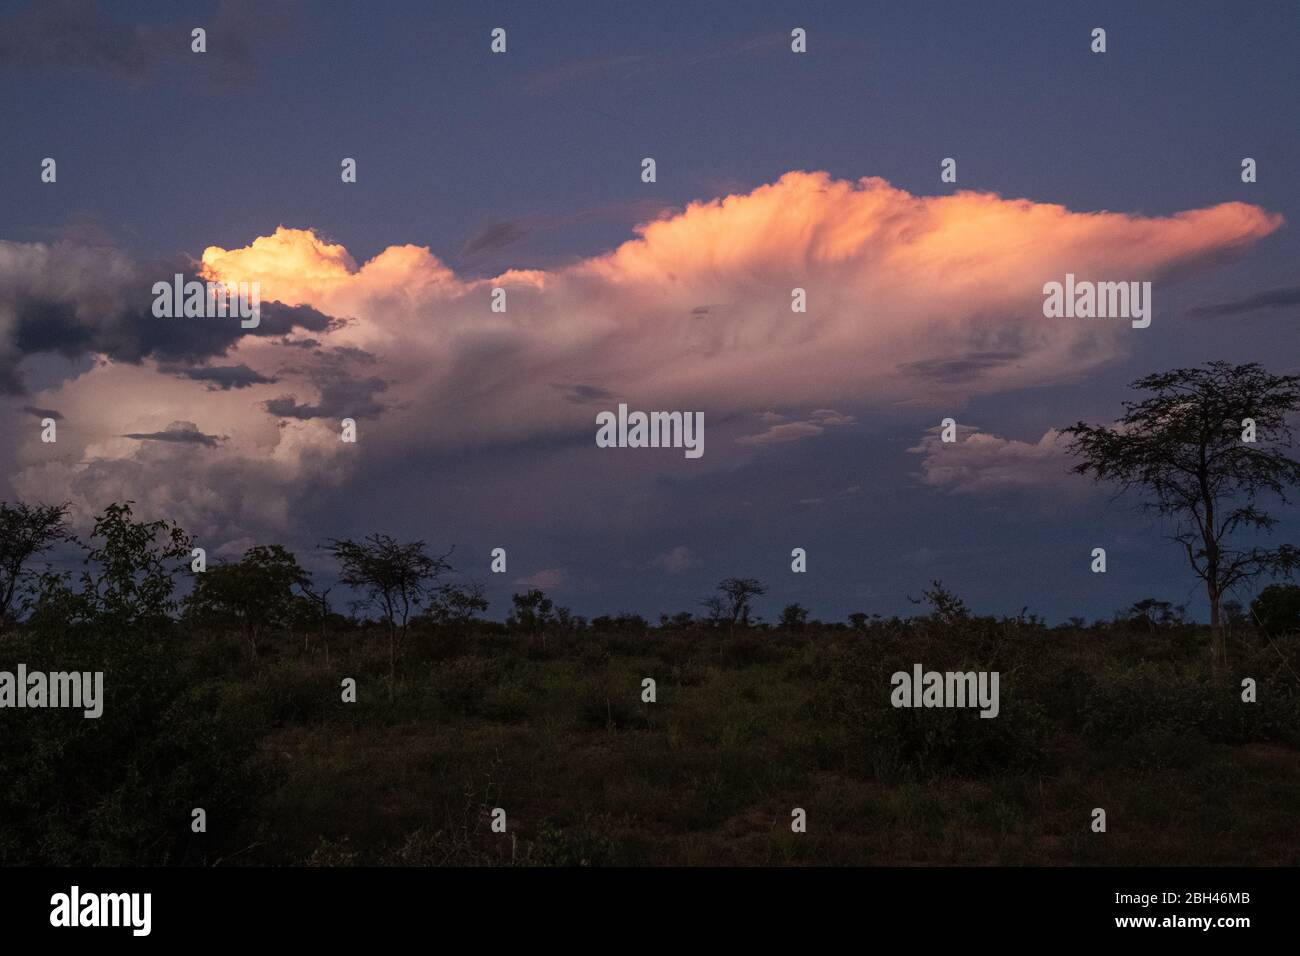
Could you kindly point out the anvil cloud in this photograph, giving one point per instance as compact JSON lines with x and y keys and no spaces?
{"x":911,"y":300}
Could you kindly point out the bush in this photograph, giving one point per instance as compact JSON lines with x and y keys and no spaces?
{"x":945,"y":741}
{"x":1278,"y":609}
{"x":462,"y":684}
{"x":119,"y":789}
{"x":582,"y":845}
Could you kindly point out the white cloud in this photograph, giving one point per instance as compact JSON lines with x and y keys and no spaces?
{"x":981,"y":464}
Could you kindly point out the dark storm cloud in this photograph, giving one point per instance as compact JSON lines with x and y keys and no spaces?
{"x":78,"y":34}
{"x":1261,"y":302}
{"x":343,"y":394}
{"x":43,"y":412}
{"x":223,"y":377}
{"x":72,"y":300}
{"x":134,"y":333}
{"x":341,"y":398}
{"x":186,"y":433}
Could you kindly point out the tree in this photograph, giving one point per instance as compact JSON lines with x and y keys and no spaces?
{"x":945,"y":606}
{"x":731,"y":604}
{"x":456,"y":604}
{"x":1154,"y":614}
{"x":794,"y":617}
{"x":25,"y":532}
{"x":394,"y":579}
{"x":256,"y":593}
{"x":532,"y":613}
{"x":137,"y":562}
{"x":1185,"y":446}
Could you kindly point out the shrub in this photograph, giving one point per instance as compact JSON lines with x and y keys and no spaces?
{"x":1278,"y":609}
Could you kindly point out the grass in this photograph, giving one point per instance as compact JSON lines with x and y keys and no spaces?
{"x":746,"y":728}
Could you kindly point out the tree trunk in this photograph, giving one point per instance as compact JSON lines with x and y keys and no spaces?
{"x":392,"y":664}
{"x":1218,"y":639}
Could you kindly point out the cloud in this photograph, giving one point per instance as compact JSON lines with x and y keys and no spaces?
{"x":676,"y":560}
{"x":788,"y":431}
{"x":1261,"y":302}
{"x":495,"y":236}
{"x":185,"y":433}
{"x":544,"y":580}
{"x":956,"y":370}
{"x":71,"y":299}
{"x":584,"y":394}
{"x":343,"y":392}
{"x":43,"y":412}
{"x":224,"y":377}
{"x":980,"y":464}
{"x":897,"y":286}
{"x":850,"y":492}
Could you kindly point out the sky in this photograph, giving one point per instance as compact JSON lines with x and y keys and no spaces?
{"x":522,"y":170}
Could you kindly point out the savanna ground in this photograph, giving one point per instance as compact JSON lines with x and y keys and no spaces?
{"x":747,"y":726}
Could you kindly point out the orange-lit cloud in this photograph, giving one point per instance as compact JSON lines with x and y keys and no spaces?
{"x":910,"y":300}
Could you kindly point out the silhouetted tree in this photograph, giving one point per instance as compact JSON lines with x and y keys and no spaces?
{"x":731,"y":604}
{"x":945,"y":606}
{"x":1154,"y":614}
{"x":532,"y":611}
{"x":1184,"y":447}
{"x":255,"y":593}
{"x":394,"y":579}
{"x":456,"y":604}
{"x":132,"y":567}
{"x":25,"y":532}
{"x":794,"y":617}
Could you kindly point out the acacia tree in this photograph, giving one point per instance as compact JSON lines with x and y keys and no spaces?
{"x":25,"y":532}
{"x":394,"y":579}
{"x":456,"y":604}
{"x":731,"y":604}
{"x":1206,"y":447}
{"x":256,"y":593}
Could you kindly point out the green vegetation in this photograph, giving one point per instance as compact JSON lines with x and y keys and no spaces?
{"x":235,"y":705}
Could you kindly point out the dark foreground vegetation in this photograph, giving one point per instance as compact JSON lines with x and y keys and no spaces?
{"x":231,"y":699}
